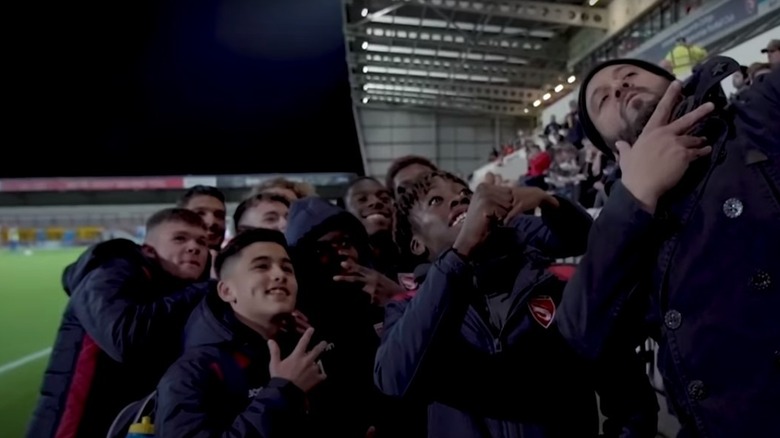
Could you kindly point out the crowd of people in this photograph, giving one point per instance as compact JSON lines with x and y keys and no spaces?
{"x":425,"y":308}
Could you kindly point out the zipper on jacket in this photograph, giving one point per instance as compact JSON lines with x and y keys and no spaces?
{"x":515,"y":310}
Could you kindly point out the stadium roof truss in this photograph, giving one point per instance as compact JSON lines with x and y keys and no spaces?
{"x":499,"y":57}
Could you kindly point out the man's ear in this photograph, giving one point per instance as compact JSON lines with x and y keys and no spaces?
{"x":417,"y":247}
{"x":225,"y":292}
{"x":148,"y":251}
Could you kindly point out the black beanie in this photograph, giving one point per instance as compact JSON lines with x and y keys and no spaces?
{"x":587,"y":125}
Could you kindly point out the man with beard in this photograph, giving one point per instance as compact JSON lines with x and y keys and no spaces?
{"x":209,"y":203}
{"x":673,"y":243}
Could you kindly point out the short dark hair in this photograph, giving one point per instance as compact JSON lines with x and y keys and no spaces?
{"x":243,"y":240}
{"x":358,"y":180}
{"x":250,"y":202}
{"x":200,"y":190}
{"x":402,"y":163}
{"x":176,"y":214}
{"x":403,"y":230}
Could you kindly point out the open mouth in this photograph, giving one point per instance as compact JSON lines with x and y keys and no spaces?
{"x":377,"y":216}
{"x":278,"y":292}
{"x":458,"y":220}
{"x":192,"y":263}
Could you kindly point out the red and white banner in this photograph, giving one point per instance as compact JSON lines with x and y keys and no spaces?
{"x":91,"y":184}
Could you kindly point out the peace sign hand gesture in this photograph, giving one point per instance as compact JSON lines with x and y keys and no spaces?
{"x":657,"y":161}
{"x":300,"y":367}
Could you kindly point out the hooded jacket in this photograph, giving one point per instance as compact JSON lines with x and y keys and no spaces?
{"x":221,"y":385}
{"x":120,"y":331}
{"x":340,"y":313}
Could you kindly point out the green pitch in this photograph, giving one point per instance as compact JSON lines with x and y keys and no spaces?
{"x":32,"y":304}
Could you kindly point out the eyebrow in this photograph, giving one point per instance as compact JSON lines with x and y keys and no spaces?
{"x":615,"y":74}
{"x":284,"y":260}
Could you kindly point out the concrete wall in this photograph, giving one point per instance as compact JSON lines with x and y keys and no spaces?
{"x":458,"y":143}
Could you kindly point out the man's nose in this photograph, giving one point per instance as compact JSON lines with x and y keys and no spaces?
{"x":374,"y":201}
{"x":193,"y":246}
{"x":283,"y":224}
{"x":621,"y":88}
{"x":278,"y":275}
{"x":460,"y":199}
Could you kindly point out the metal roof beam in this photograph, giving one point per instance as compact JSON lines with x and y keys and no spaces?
{"x":532,"y":77}
{"x":510,"y":49}
{"x":450,"y":88}
{"x":513,"y":41}
{"x":539,"y":11}
{"x":474,"y":106}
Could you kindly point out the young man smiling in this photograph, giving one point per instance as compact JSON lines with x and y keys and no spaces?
{"x":232,"y":380}
{"x":122,"y":326}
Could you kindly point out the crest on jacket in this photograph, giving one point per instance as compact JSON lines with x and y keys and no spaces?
{"x":542,"y":309}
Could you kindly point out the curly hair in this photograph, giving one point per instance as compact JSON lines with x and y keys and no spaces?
{"x":404,"y":229}
{"x":402,"y":163}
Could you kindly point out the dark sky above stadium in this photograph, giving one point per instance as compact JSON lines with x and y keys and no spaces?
{"x":156,"y":87}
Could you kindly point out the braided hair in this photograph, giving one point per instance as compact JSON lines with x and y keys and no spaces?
{"x":404,"y":229}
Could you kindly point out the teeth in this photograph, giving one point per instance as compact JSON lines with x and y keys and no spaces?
{"x":459,"y":220}
{"x":375,"y":216}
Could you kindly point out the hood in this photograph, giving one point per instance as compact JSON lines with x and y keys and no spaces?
{"x":310,"y":218}
{"x":319,"y":297}
{"x":98,"y":254}
{"x":587,"y":124}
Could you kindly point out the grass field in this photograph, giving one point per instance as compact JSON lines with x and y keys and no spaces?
{"x":32,"y":305}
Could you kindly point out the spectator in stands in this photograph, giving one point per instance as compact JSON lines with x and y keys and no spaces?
{"x":684,"y":57}
{"x":404,"y":169}
{"x":757,"y":69}
{"x":341,"y":296}
{"x":539,"y":162}
{"x":292,"y":190}
{"x":478,"y":340}
{"x":552,"y":128}
{"x":565,"y":173}
{"x":263,"y":210}
{"x":239,"y":343}
{"x":122,"y":327}
{"x":209,"y":203}
{"x":772,"y":51}
{"x":740,"y":81}
{"x":677,"y":239}
{"x":574,"y":134}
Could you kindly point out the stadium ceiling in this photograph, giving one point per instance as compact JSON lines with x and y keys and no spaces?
{"x":501,"y":57}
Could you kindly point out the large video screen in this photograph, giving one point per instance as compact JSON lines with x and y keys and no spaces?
{"x":172,"y":87}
